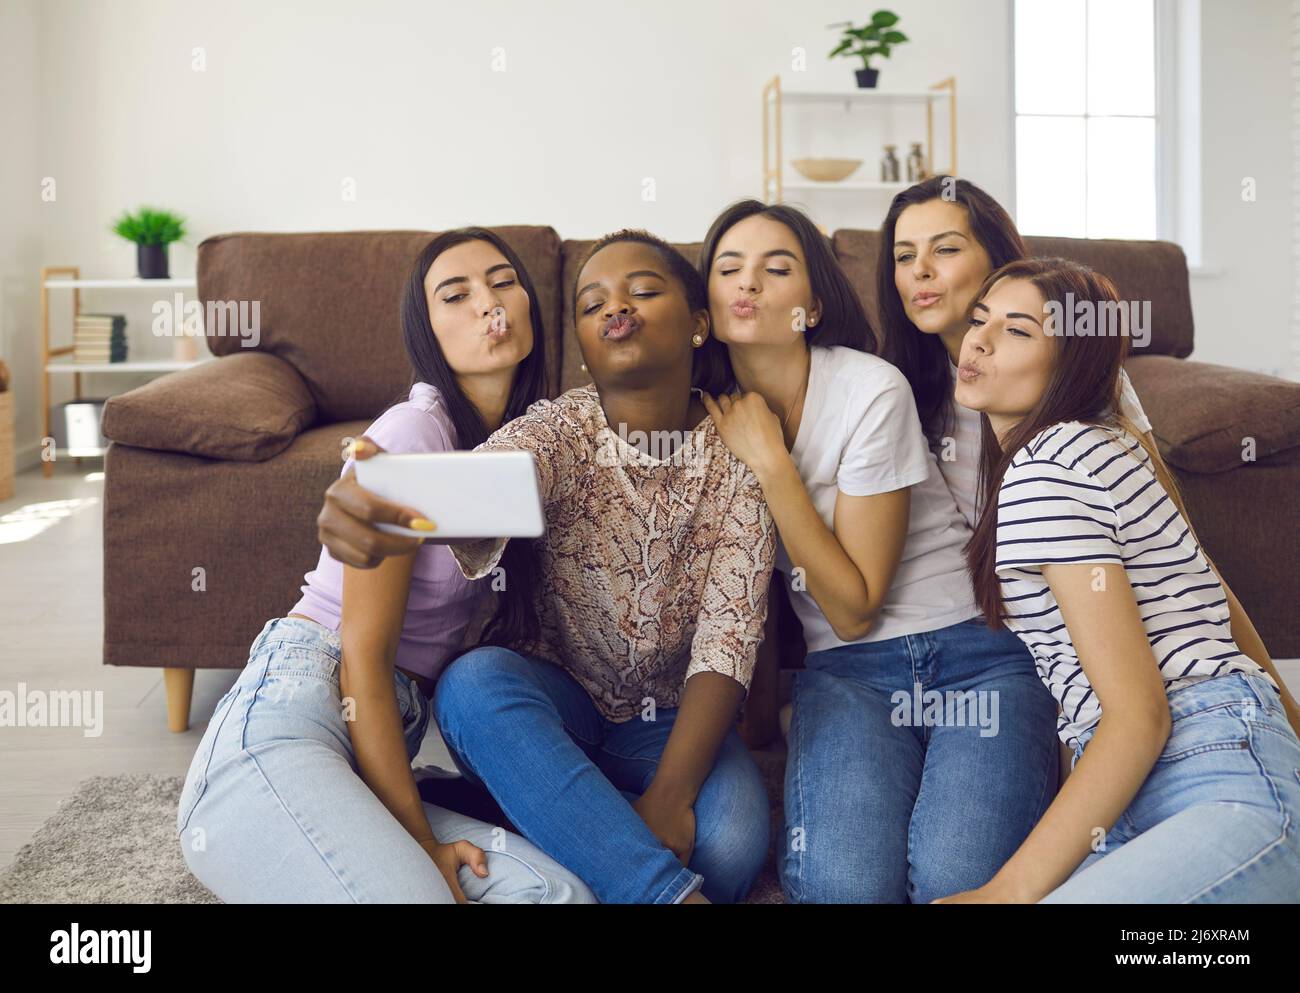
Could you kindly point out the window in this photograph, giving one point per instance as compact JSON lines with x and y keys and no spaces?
{"x":1087,"y":127}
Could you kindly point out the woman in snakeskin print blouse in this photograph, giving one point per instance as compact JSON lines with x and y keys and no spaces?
{"x":605,"y":728}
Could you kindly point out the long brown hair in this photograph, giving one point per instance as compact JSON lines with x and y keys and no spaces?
{"x":515,"y":618}
{"x":844,"y":320}
{"x":922,"y":357}
{"x":1082,"y":387}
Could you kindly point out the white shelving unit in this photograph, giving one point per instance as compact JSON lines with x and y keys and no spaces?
{"x":942,"y":95}
{"x":60,"y":360}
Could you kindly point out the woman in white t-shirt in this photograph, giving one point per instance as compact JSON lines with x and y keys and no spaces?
{"x":1185,"y":788}
{"x":920,"y":748}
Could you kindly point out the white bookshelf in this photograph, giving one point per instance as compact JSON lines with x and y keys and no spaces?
{"x":118,"y":284}
{"x":941,"y":97}
{"x":61,"y":360}
{"x":863,"y":96}
{"x":844,"y":184}
{"x":66,"y":365}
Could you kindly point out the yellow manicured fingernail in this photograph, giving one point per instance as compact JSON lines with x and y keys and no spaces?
{"x":423,"y":524}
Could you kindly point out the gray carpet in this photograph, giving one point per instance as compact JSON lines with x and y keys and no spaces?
{"x":114,"y":841}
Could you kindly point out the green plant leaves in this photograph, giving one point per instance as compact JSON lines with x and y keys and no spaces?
{"x":870,"y":39}
{"x":149,"y":226}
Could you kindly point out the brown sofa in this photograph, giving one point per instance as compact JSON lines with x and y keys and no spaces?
{"x":215,"y":474}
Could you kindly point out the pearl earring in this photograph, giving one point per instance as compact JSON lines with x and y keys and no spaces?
{"x":697,"y":340}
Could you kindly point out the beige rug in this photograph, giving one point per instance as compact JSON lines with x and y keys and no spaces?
{"x":114,"y":841}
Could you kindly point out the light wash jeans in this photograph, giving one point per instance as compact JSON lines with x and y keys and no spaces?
{"x":886,"y":803}
{"x":1216,"y":819}
{"x":273,"y":810}
{"x":566,"y":777}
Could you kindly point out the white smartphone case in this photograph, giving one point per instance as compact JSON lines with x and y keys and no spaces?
{"x":466,"y":494}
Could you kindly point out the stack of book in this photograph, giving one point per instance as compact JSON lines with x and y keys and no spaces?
{"x":99,"y":338}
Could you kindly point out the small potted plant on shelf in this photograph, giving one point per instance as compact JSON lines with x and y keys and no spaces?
{"x":876,"y":37}
{"x":152,"y":231}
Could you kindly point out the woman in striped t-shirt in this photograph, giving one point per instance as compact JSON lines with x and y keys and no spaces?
{"x":1190,"y":787}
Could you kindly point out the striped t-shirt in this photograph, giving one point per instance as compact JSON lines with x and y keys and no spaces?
{"x":959,"y":453}
{"x":1085,"y":493}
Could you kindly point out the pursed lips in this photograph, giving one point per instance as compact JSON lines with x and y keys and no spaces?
{"x":620,"y":327}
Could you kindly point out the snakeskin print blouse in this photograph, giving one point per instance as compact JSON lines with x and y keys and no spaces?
{"x":651,"y":569}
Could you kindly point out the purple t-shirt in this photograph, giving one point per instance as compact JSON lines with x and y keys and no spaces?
{"x":442,"y":601}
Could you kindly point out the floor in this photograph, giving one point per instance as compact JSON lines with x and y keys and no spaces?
{"x":51,"y":618}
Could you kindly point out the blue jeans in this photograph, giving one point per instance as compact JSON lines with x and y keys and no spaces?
{"x":564,"y":775}
{"x":889,"y":799}
{"x":1216,"y":819}
{"x":273,"y":810}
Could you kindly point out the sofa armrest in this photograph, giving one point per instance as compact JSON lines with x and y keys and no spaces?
{"x":1205,"y":415}
{"x":245,"y":408}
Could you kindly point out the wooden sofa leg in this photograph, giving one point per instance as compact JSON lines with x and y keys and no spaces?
{"x":180,"y":689}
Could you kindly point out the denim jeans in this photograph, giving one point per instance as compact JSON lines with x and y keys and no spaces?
{"x":889,"y":799}
{"x":565,"y":776}
{"x":273,"y":810}
{"x":1216,"y":819}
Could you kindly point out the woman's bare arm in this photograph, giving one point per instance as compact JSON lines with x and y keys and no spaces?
{"x":1115,"y":653}
{"x":374,"y":606}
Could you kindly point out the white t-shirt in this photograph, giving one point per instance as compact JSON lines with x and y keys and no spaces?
{"x":860,"y":435}
{"x":1083,"y":493}
{"x":959,"y":457}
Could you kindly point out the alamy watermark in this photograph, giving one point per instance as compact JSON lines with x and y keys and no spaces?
{"x":1110,"y":318}
{"x":53,"y":708}
{"x":176,"y":318}
{"x":953,"y":708}
{"x":674,"y":447}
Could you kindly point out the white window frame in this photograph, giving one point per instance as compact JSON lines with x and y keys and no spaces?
{"x":1176,"y":33}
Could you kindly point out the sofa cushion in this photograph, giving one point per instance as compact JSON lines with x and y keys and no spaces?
{"x":1204,"y":416}
{"x":330,"y":305}
{"x":244,"y":408}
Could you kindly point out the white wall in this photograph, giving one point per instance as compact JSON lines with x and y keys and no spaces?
{"x":402,"y":97}
{"x":1243,"y":306}
{"x":21,"y":218}
{"x":595,"y":97}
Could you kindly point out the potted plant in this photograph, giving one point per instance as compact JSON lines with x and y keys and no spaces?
{"x":876,"y":37}
{"x":152,"y":231}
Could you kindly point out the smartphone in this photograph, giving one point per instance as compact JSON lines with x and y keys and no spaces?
{"x":466,"y":494}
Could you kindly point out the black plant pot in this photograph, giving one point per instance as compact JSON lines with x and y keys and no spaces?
{"x":151,"y":261}
{"x":867,"y":78}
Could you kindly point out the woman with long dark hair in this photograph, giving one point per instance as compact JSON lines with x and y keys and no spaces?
{"x":610,"y":738}
{"x":871,"y":544}
{"x":301,"y":789}
{"x":1184,"y":787}
{"x":938,"y":243}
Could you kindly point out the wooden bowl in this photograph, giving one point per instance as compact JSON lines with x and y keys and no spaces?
{"x":826,"y":170}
